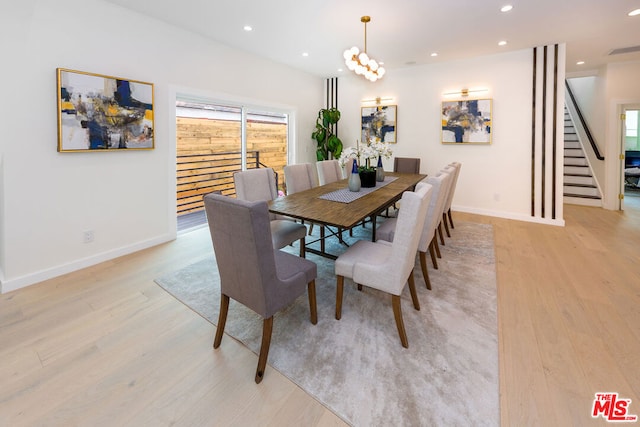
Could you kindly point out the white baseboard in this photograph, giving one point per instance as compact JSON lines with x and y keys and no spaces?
{"x":50,"y":273}
{"x":508,"y":215}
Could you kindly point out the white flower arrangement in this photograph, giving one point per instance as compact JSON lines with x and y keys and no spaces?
{"x":367,"y":152}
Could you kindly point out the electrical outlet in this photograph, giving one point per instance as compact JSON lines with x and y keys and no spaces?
{"x":88,"y":236}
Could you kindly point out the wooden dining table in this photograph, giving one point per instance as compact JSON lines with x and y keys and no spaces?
{"x":310,"y":206}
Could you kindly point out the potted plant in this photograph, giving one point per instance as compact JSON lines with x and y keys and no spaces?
{"x":364,"y":154}
{"x":328,"y":142}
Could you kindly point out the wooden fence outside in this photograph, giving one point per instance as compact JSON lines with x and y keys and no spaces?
{"x":208,"y":153}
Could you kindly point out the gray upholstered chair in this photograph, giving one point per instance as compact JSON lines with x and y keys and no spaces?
{"x":251,"y":271}
{"x":428,"y":240}
{"x":454,"y":183}
{"x":260,"y":185}
{"x":329,"y":171}
{"x":406,"y":164}
{"x":300,"y":177}
{"x":388,"y":266}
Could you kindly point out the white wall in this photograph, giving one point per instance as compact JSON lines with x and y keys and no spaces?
{"x":48,"y":198}
{"x":495,"y":179}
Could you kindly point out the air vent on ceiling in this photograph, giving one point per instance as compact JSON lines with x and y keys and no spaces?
{"x":625,"y":50}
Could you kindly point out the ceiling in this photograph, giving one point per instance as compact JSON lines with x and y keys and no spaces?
{"x":404,"y":33}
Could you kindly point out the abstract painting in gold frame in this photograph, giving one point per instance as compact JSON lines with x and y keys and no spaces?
{"x":467,"y":121}
{"x":103,"y":113}
{"x":379,"y":123}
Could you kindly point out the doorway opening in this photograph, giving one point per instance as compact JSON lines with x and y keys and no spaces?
{"x":631,"y":147}
{"x":213,"y":141}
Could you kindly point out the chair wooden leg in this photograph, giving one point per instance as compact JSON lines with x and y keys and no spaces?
{"x":359,"y":287}
{"x":440,"y":233}
{"x":302,"y":248}
{"x":310,"y":228}
{"x":397,"y":313}
{"x":450,"y":219}
{"x":425,"y":273}
{"x":313,"y":307}
{"x":435,"y":244}
{"x":222,"y":319}
{"x":432,"y":252}
{"x":414,"y":294}
{"x":267,"y":327}
{"x":339,"y":289}
{"x":446,"y":225}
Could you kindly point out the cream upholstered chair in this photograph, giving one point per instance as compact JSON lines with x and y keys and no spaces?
{"x":388,"y":266}
{"x":251,"y":271}
{"x":428,"y":240}
{"x":260,"y":185}
{"x":329,"y":171}
{"x":454,"y":183}
{"x":451,"y":172}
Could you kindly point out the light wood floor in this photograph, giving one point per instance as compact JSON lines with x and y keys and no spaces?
{"x":106,"y":346}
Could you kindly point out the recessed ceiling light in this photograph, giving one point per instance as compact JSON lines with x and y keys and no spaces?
{"x":502,"y":43}
{"x":434,"y":54}
{"x":634,"y":12}
{"x":305,"y":54}
{"x":340,"y":70}
{"x":248,"y":28}
{"x":506,"y":8}
{"x":580,"y":63}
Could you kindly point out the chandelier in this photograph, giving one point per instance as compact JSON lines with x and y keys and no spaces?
{"x":359,"y":62}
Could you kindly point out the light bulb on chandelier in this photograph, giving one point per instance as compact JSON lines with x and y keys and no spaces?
{"x":360,"y":62}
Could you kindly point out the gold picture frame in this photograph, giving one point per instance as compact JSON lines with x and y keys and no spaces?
{"x":103,"y":113}
{"x":379,"y":123}
{"x":467,"y":121}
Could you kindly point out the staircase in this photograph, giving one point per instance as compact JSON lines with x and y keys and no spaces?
{"x":579,"y":185}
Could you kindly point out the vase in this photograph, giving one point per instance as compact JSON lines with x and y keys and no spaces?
{"x":379,"y":170}
{"x":368,"y":178}
{"x":354,"y":178}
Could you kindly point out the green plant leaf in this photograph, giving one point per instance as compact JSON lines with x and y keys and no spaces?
{"x":338,"y":150}
{"x":334,"y":115}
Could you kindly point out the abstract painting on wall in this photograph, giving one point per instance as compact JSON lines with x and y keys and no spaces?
{"x":466,"y":122}
{"x":98,"y":113}
{"x":379,"y":123}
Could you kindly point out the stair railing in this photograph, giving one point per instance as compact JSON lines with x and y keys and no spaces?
{"x":590,"y":137}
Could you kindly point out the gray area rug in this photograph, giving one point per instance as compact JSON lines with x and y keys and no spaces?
{"x":356,"y":366}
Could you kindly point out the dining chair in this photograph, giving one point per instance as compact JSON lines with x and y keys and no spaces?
{"x":454,"y":183}
{"x":388,"y":266}
{"x":451,"y":171}
{"x":329,"y":171}
{"x":260,"y":185}
{"x":251,"y":271}
{"x":299,"y":177}
{"x":405,"y":165}
{"x":428,"y":240}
